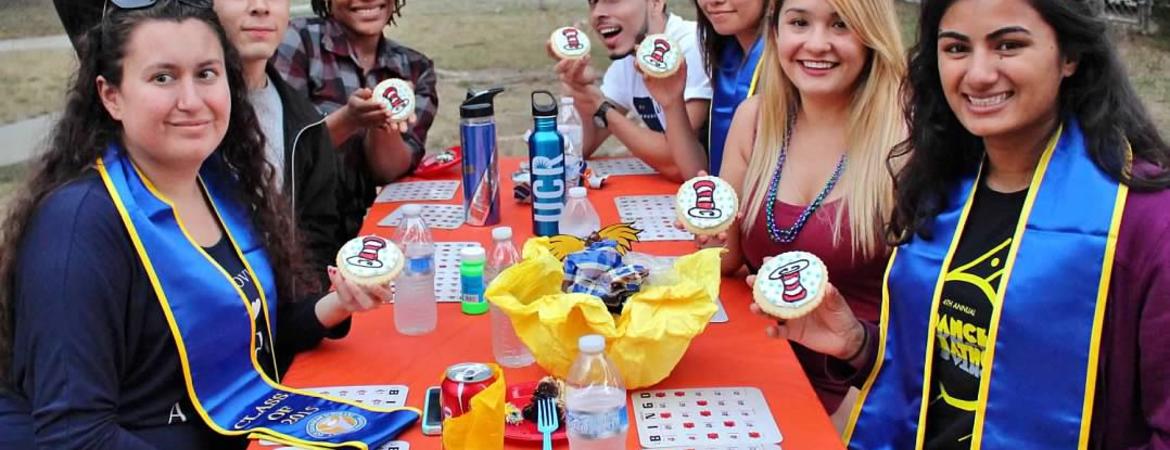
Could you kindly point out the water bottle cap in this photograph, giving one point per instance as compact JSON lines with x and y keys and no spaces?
{"x":479,"y":103}
{"x":546,"y":106}
{"x":411,"y":210}
{"x":578,"y":192}
{"x":592,"y":343}
{"x":474,"y":253}
{"x":501,"y":233}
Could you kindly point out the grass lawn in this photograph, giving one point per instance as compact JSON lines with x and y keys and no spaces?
{"x":27,"y":18}
{"x":34,"y":82}
{"x":475,"y":44}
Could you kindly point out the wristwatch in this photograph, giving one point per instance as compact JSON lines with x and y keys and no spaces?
{"x":599,"y":119}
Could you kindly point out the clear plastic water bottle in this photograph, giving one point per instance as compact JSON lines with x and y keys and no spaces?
{"x":415,"y":311}
{"x":579,"y":218}
{"x":596,"y":399}
{"x":506,"y":347}
{"x":569,"y":125}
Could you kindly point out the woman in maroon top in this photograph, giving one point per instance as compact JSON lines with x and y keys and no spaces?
{"x":809,"y":154}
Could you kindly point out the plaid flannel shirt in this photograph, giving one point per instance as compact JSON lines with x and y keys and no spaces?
{"x":317,"y":60}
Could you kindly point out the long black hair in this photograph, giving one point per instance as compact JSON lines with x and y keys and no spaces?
{"x":324,"y":9}
{"x":86,"y":128}
{"x":940,"y":150}
{"x":712,"y":43}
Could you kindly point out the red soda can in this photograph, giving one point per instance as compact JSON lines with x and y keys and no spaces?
{"x":462,"y":382}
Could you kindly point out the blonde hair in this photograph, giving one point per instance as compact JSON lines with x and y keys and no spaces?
{"x":875,"y":123}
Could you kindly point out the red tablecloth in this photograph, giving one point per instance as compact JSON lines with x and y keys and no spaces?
{"x":735,"y":353}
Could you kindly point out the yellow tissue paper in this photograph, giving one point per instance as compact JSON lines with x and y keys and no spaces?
{"x":645,"y":342}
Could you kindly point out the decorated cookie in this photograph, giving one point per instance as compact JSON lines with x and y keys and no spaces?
{"x":791,"y":284}
{"x":706,"y":205}
{"x":370,"y":260}
{"x":569,"y":43}
{"x":397,"y":96}
{"x":658,"y":56}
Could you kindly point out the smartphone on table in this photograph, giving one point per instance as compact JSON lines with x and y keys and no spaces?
{"x":432,"y":419}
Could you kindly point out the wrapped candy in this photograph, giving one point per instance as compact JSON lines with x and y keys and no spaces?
{"x":598,"y":271}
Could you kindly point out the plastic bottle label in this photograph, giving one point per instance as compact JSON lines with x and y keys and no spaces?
{"x":471,"y":289}
{"x":420,"y":265}
{"x":597,"y":424}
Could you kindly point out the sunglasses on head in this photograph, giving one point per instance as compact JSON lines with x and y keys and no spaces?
{"x":139,"y":4}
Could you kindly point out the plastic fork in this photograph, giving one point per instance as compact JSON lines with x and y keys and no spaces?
{"x":546,"y":420}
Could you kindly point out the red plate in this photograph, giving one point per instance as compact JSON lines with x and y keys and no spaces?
{"x":520,"y":394}
{"x":436,"y":164}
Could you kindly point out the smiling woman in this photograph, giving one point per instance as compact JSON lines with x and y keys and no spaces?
{"x":155,"y":181}
{"x":808,"y":154}
{"x":1033,"y":231}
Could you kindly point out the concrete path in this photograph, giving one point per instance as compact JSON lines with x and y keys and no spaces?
{"x":18,"y":141}
{"x":35,"y":43}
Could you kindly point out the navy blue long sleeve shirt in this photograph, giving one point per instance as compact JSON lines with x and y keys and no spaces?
{"x":94,"y":362}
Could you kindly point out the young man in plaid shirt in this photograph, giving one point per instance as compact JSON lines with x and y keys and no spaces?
{"x":336,"y":59}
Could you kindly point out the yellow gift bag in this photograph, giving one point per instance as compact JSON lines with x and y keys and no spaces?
{"x":645,"y":342}
{"x":482,"y":428}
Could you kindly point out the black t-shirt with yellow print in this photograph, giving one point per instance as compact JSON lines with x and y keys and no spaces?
{"x":964,"y":314}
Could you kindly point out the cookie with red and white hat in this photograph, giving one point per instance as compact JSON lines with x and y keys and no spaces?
{"x":706,"y":205}
{"x":370,"y":261}
{"x":396,"y":96}
{"x":569,"y":43}
{"x":791,"y":285}
{"x":658,"y":56}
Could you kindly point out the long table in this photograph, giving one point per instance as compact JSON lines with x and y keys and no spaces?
{"x":735,"y":353}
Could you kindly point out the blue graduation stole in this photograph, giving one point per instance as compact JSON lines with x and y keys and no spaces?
{"x":735,"y":80}
{"x":212,"y":323}
{"x":1040,"y":365}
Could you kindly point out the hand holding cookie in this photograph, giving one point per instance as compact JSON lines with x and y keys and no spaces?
{"x":397,"y":98}
{"x":568,"y":43}
{"x":658,"y":56}
{"x":828,"y":326}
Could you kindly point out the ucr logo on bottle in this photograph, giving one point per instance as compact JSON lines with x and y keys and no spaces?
{"x":548,"y":187}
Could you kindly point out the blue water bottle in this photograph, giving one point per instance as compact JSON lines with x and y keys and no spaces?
{"x":546,"y":158}
{"x":481,"y":180}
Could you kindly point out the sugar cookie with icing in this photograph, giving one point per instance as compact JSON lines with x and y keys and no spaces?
{"x":396,"y":96}
{"x":658,"y":56}
{"x":370,"y":260}
{"x":706,"y":205}
{"x":791,"y":285}
{"x":569,"y":43}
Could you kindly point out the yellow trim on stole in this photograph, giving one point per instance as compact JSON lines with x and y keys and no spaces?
{"x":1099,"y":315}
{"x":711,"y":103}
{"x":755,"y":76}
{"x":883,"y":327}
{"x":857,"y":407}
{"x":997,"y":313}
{"x":936,"y":299}
{"x":181,"y":347}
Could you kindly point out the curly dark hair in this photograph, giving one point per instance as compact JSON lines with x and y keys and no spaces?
{"x":86,"y":129}
{"x":940,"y":150}
{"x":324,"y":8}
